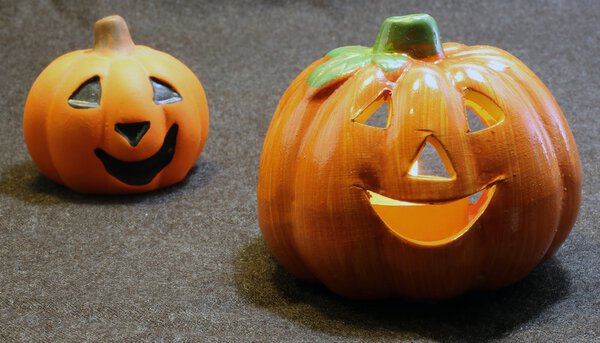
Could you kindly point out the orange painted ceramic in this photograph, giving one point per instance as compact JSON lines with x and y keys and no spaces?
{"x":342,"y":202}
{"x":118,"y":118}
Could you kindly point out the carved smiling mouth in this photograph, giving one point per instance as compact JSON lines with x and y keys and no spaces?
{"x":138,"y":173}
{"x":431,"y":224}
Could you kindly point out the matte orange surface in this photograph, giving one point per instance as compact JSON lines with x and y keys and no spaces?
{"x":62,"y":139}
{"x":319,"y":164}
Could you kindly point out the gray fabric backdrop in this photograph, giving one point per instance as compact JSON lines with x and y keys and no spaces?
{"x":188,"y":263}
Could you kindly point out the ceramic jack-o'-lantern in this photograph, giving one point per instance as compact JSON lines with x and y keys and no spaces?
{"x":117,"y":118}
{"x":348,"y":200}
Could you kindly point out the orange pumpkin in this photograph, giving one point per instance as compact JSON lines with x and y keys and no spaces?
{"x":347,"y":203}
{"x":118,"y":118}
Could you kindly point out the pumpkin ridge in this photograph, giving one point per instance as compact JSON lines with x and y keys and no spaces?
{"x":540,"y":129}
{"x":50,"y":106}
{"x":81,"y":56}
{"x":552,"y":123}
{"x":450,"y":48}
{"x":300,"y":158}
{"x":279,"y":124}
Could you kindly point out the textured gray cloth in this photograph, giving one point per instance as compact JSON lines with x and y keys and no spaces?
{"x":188,"y":263}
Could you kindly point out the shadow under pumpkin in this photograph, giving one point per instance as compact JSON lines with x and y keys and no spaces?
{"x":474,"y":316}
{"x":24,"y":181}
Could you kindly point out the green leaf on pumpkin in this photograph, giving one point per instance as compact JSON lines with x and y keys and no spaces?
{"x":337,"y":67}
{"x":347,"y":59}
{"x":389,"y":62}
{"x":351,"y":49}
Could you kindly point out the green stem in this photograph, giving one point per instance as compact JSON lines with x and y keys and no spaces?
{"x":416,"y":35}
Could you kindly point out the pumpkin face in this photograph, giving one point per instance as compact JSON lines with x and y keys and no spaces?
{"x":352,"y":204}
{"x":119,"y":118}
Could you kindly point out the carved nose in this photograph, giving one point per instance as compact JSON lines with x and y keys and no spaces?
{"x":133,"y":132}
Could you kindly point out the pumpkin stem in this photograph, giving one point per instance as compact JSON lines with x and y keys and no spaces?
{"x":416,"y":35}
{"x":112,"y":35}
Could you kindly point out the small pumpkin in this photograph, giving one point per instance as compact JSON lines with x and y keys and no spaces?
{"x":349,"y":204}
{"x":118,"y":118}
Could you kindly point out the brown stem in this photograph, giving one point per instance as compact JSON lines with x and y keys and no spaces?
{"x":112,"y":35}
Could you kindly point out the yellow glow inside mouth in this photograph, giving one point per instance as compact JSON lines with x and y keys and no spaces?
{"x":431,"y":223}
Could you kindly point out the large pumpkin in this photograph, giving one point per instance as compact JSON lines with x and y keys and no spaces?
{"x":344,"y":203}
{"x":118,"y":118}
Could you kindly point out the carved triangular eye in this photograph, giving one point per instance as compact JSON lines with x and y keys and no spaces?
{"x":87,"y":95}
{"x":164,"y":93}
{"x":379,"y":118}
{"x":432,"y":162}
{"x":481,"y":111}
{"x":377,"y":114}
{"x":475,"y":122}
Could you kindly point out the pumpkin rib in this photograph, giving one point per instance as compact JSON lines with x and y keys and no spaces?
{"x":292,"y":260}
{"x":479,"y":50}
{"x":527,"y":101}
{"x":554,"y":121}
{"x":571,"y":173}
{"x":319,"y":113}
{"x":451,"y":48}
{"x":489,"y":260}
{"x":52,"y":104}
{"x":322,"y":114}
{"x":36,"y":127}
{"x":299,"y":195}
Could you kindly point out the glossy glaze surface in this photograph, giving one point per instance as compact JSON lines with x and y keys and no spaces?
{"x":320,"y":164}
{"x":83,"y":143}
{"x":414,"y":35}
